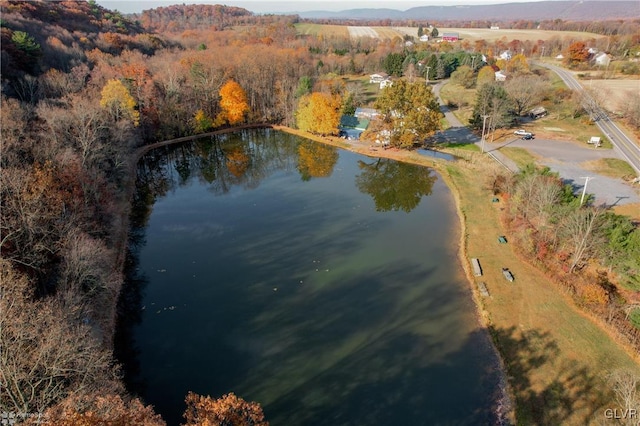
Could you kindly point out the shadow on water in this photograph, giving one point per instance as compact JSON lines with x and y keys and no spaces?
{"x":403,"y":370}
{"x":365,"y":348}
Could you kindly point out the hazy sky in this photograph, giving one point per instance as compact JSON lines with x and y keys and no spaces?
{"x":268,"y":6}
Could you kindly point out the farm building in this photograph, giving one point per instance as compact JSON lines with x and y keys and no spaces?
{"x":602,"y":59}
{"x":450,"y":37}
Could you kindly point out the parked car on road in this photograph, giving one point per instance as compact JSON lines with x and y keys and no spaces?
{"x":527,"y":136}
{"x":522,"y":132}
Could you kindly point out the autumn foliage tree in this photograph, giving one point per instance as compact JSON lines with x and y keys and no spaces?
{"x":47,"y":351}
{"x":319,"y":113}
{"x":229,"y":410}
{"x":202,"y":122}
{"x":233,"y":101}
{"x":99,"y":410}
{"x":117,"y":100}
{"x":412,"y":111}
{"x":576,"y":53}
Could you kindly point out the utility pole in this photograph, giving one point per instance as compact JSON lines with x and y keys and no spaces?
{"x":542,"y":54}
{"x":473,"y":61}
{"x":428,"y":68}
{"x":584,"y":190}
{"x":484,"y":122}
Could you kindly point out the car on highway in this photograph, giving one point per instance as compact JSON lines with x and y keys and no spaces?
{"x":528,"y":136}
{"x":522,"y":132}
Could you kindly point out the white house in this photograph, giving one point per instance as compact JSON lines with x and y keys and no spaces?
{"x":500,"y":76}
{"x":603,"y":59}
{"x":378,"y":77}
{"x":506,"y":55}
{"x":386,"y":83}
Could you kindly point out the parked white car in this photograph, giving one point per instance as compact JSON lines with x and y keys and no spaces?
{"x":522,"y":132}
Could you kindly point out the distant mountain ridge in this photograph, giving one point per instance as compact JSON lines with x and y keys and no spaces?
{"x":543,"y":10}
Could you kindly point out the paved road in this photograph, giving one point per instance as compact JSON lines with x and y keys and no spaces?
{"x":628,"y":150}
{"x":566,"y":159}
{"x":562,"y":157}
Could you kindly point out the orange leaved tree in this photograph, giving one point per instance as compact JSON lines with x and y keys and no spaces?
{"x":233,"y":101}
{"x":229,"y":410}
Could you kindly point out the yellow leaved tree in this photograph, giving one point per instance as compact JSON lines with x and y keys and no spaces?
{"x":319,"y":113}
{"x":118,"y":101}
{"x":233,"y":101}
{"x":202,"y":122}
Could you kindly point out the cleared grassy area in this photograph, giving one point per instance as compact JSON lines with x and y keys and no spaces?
{"x":631,"y":210}
{"x":611,"y":167}
{"x":368,"y":92}
{"x":464,"y":99}
{"x":557,"y":359}
{"x":321,"y":29}
{"x":520,"y":156}
{"x":388,"y":33}
{"x":493,"y":35}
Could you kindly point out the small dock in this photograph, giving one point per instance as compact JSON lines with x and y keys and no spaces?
{"x":477,"y":270}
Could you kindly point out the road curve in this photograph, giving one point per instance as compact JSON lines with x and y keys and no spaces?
{"x":625,"y":146}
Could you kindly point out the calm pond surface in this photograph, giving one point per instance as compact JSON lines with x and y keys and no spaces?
{"x":322,"y":284}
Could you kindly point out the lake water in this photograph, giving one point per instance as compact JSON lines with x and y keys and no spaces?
{"x":323,"y":284}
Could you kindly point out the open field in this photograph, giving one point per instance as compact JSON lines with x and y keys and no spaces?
{"x":388,"y":33}
{"x":616,"y":91}
{"x":325,"y":30}
{"x":493,"y":35}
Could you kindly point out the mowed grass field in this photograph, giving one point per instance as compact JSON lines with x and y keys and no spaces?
{"x":492,"y":35}
{"x":380,"y":33}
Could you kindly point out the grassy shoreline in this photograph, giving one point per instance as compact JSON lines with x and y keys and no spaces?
{"x":557,"y":359}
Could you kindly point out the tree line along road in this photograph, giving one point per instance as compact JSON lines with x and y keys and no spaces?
{"x":626,"y":147}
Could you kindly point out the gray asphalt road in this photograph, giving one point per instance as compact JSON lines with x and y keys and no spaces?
{"x":562,"y":157}
{"x":626,"y":148}
{"x":565,"y":158}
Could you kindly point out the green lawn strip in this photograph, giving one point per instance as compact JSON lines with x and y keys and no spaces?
{"x":611,"y":167}
{"x":520,"y":156}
